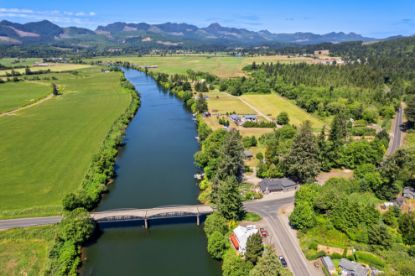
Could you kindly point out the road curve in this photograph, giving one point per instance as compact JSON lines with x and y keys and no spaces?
{"x":397,"y":133}
{"x":285,"y":244}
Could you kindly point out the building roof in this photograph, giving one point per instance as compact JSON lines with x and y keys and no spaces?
{"x":328,"y":263}
{"x":242,"y":234}
{"x":355,"y":268}
{"x":409,"y":191}
{"x":250,"y":117}
{"x":248,"y":153}
{"x":276,"y":184}
{"x":234,"y":117}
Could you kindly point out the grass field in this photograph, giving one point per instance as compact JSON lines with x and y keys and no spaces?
{"x":25,"y":251}
{"x":222,"y":103}
{"x":50,"y":146}
{"x":54,"y":68}
{"x":222,"y":66}
{"x":14,"y":95}
{"x":409,"y":141}
{"x":272,"y":104}
{"x":17,"y":62}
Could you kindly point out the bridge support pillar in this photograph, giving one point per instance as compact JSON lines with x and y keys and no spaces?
{"x":197,"y":219}
{"x":145,"y":223}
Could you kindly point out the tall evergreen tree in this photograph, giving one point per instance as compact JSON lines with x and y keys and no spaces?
{"x":338,"y":129}
{"x":303,"y":163}
{"x":254,"y":248}
{"x":269,"y":265}
{"x":410,"y":112}
{"x":229,"y":201}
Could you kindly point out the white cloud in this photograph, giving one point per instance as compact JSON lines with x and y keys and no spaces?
{"x":57,"y":16}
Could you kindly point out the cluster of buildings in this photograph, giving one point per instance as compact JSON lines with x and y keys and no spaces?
{"x":347,"y":268}
{"x":240,"y":119}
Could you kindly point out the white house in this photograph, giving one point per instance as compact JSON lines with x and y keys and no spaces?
{"x":240,"y":237}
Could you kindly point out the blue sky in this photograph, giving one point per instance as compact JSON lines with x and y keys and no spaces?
{"x":368,"y":17}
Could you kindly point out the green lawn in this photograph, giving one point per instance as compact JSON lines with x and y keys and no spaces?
{"x":409,"y":141}
{"x":273,"y":104}
{"x":14,"y":95}
{"x":25,"y":251}
{"x":50,"y":146}
{"x":222,"y":66}
{"x":222,"y":103}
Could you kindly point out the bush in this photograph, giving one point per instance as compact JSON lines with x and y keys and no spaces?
{"x":370,"y":259}
{"x":216,"y":245}
{"x":215,"y":223}
{"x":76,"y":226}
{"x":283,"y":119}
{"x":262,"y":124}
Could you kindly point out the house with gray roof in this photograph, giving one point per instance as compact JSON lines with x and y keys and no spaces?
{"x":350,"y":268}
{"x":328,"y":264}
{"x":409,"y":192}
{"x":269,"y":185}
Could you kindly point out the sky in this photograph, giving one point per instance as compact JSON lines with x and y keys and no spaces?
{"x":371,"y":18}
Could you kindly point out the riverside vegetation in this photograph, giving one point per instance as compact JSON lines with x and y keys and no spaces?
{"x":66,"y":239}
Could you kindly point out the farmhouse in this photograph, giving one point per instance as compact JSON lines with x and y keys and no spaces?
{"x":350,"y":268}
{"x":235,"y":118}
{"x":328,"y":264}
{"x":240,"y":237}
{"x":249,"y":118}
{"x":409,"y":192}
{"x":269,"y":185}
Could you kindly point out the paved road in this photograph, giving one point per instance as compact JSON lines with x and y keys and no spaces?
{"x":397,"y":133}
{"x":25,"y":222}
{"x":284,"y":242}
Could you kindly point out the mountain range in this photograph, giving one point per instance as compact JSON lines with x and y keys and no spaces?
{"x":157,"y":35}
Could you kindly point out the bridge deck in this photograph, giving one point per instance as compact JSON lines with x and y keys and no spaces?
{"x":173,"y":211}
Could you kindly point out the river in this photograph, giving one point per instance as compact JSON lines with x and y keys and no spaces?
{"x":155,"y":168}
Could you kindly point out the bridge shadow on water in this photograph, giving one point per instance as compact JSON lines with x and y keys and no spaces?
{"x":139,"y":223}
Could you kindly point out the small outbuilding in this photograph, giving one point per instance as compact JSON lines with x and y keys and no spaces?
{"x":249,"y":118}
{"x":248,"y":154}
{"x":240,"y":236}
{"x":409,"y":192}
{"x":328,"y":264}
{"x":269,"y":185}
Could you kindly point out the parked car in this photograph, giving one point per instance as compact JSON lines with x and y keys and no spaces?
{"x":264,"y":233}
{"x":283,"y":261}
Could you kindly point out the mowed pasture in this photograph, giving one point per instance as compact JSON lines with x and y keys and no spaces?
{"x":57,"y":67}
{"x":273,"y":104}
{"x":222,"y":103}
{"x":25,"y":251}
{"x":50,"y":145}
{"x":17,"y":94}
{"x":221,"y":66}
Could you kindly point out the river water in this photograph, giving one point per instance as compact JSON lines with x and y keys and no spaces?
{"x":154,"y":169}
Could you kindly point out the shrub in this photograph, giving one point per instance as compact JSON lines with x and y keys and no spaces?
{"x":216,"y":245}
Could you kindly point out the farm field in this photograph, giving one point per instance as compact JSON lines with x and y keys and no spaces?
{"x":222,"y":66}
{"x":15,"y":94}
{"x":51,"y":145}
{"x":58,"y":67}
{"x":222,"y":103}
{"x":18,"y":62}
{"x":272,"y":104}
{"x":25,"y":251}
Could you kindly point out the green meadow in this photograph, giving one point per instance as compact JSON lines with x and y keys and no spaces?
{"x":24,"y":251}
{"x":222,"y":66}
{"x":17,"y":94}
{"x":50,"y":145}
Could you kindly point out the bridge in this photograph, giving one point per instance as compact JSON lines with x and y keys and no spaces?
{"x":180,"y":211}
{"x":120,"y":215}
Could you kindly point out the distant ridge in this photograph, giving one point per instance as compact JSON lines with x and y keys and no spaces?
{"x":152,"y":35}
